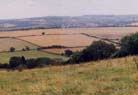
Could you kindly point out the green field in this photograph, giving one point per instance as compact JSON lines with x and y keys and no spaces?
{"x":4,"y":57}
{"x":109,"y":77}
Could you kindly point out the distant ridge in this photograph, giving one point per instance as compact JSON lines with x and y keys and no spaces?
{"x":86,"y":21}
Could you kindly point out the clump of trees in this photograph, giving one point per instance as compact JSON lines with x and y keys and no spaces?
{"x":128,"y":46}
{"x":26,"y":48}
{"x":102,"y":50}
{"x":68,"y":52}
{"x":14,"y":62}
{"x":96,"y":51}
{"x":21,"y":62}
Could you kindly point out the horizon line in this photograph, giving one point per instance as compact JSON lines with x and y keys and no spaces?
{"x":20,"y":18}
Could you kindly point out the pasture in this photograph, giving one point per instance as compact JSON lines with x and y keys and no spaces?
{"x":107,"y":77}
{"x":60,"y":51}
{"x":4,"y":57}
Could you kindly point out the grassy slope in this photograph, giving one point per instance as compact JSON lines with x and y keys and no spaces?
{"x":109,"y":77}
{"x":4,"y":57}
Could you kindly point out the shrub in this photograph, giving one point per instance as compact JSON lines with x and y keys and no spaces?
{"x":43,"y":33}
{"x":16,"y":61}
{"x":27,"y":48}
{"x":12,"y":49}
{"x":39,"y":62}
{"x":23,"y":49}
{"x":68,"y":52}
{"x":98,"y":50}
{"x":129,"y":44}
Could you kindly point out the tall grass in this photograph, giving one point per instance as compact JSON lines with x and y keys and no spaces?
{"x":107,"y":77}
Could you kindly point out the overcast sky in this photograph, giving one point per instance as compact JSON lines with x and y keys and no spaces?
{"x":38,"y":8}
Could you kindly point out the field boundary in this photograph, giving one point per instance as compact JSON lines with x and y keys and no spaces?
{"x":104,"y":39}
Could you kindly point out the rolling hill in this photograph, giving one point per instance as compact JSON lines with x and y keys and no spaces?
{"x":86,"y":21}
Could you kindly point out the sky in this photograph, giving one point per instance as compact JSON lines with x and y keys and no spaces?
{"x":37,"y":8}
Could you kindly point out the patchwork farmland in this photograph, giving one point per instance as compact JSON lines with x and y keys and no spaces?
{"x":72,"y":39}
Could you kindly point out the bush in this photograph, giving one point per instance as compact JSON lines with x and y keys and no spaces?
{"x":27,"y":48}
{"x":129,"y":44}
{"x":39,"y":62}
{"x":43,"y":33}
{"x":98,"y":50}
{"x":23,"y":49}
{"x":68,"y":53}
{"x":16,"y":61}
{"x":12,"y":49}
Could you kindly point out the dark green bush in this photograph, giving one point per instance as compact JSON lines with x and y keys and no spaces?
{"x":27,"y":48}
{"x":38,"y":62}
{"x":129,"y":44}
{"x":16,"y":61}
{"x":12,"y":49}
{"x":68,"y":52}
{"x":98,"y":50}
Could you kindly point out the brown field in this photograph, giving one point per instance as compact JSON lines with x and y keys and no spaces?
{"x":7,"y":43}
{"x":67,"y":37}
{"x":104,"y":32}
{"x":63,"y":40}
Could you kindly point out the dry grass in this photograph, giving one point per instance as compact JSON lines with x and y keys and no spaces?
{"x":95,"y":31}
{"x":63,"y":40}
{"x":7,"y":43}
{"x":108,"y":77}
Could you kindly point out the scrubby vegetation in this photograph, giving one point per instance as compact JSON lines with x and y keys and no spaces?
{"x":12,"y":49}
{"x":97,"y":51}
{"x":129,"y":46}
{"x":18,"y":62}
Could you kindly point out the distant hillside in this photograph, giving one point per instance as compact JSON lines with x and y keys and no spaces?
{"x":86,"y":21}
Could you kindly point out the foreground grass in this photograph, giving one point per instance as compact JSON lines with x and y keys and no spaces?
{"x":4,"y":57}
{"x":109,"y":77}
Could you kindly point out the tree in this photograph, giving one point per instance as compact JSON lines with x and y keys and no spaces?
{"x":68,"y":52}
{"x":27,"y":48}
{"x":14,"y":62}
{"x":96,"y":51}
{"x":23,"y":49}
{"x":12,"y":49}
{"x":129,"y":46}
{"x":43,"y":33}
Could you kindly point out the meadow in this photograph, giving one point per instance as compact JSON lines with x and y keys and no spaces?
{"x":107,"y":77}
{"x":5,"y":56}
